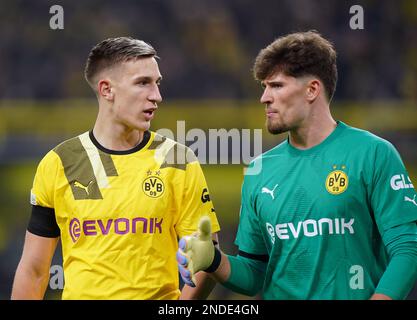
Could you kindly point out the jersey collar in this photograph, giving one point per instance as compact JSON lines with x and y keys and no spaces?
{"x":332,"y":136}
{"x":145,"y":140}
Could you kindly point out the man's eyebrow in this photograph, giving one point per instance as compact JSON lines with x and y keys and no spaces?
{"x":271,"y":82}
{"x":274,"y":82}
{"x":146,"y":78}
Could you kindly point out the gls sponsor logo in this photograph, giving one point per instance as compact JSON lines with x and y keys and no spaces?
{"x":119,"y":226}
{"x":310,"y":228}
{"x":205,"y":197}
{"x":398,"y":182}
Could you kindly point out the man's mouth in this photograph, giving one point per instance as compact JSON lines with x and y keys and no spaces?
{"x":149,"y":113}
{"x":270,"y":113}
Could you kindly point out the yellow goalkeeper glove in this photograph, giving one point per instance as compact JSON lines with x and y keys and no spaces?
{"x":197,"y":253}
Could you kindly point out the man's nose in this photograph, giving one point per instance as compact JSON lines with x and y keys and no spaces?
{"x":266,"y":97}
{"x":155,"y":95}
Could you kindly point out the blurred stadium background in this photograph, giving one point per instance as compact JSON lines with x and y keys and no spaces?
{"x":207,"y":49}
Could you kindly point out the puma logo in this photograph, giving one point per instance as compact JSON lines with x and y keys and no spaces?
{"x":410,"y":200}
{"x":80,"y":185}
{"x":270,"y":192}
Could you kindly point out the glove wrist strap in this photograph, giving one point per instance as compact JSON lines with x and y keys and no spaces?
{"x":216,"y":261}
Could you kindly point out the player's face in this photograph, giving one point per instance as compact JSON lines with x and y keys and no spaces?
{"x":285,"y":103}
{"x":136,"y":93}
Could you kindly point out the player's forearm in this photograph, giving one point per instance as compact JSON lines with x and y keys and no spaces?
{"x":205,"y":284}
{"x":401,"y":272}
{"x":29,"y":285}
{"x":240,"y":274}
{"x":245,"y":276}
{"x":399,"y":277}
{"x":379,"y":296}
{"x":222,"y":273}
{"x":197,"y":253}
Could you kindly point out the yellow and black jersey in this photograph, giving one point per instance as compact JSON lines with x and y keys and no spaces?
{"x":120,"y":214}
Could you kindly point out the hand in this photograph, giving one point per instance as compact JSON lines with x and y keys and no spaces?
{"x":380,"y":296}
{"x":196,"y":252}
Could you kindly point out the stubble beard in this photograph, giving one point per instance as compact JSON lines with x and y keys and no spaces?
{"x":275,"y":128}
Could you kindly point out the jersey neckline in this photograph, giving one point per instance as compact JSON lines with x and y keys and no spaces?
{"x":333,"y":135}
{"x":141,"y":145}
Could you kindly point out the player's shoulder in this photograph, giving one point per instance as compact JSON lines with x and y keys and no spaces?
{"x":266,"y":160}
{"x":73,"y":150}
{"x":72,"y":144}
{"x":163,"y":142}
{"x":64,"y":149}
{"x":277,"y":150}
{"x":53,"y":158}
{"x":170,"y":152}
{"x":270,"y":154}
{"x":367,"y":140}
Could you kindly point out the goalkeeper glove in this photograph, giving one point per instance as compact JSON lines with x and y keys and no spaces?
{"x":197,"y":252}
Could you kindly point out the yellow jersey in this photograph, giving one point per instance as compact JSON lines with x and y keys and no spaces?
{"x":120,"y":214}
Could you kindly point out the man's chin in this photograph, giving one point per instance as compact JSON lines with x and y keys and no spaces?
{"x":274,"y":129}
{"x":142,"y":126}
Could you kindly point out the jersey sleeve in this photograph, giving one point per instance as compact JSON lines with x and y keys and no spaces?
{"x":249,"y":236}
{"x":43,"y":188}
{"x":196,"y":201}
{"x":42,"y":220}
{"x":392,"y":197}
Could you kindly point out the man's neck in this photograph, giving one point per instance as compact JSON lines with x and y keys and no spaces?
{"x":313,"y":132}
{"x":117,"y":137}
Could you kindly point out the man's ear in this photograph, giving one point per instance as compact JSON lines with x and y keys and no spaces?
{"x":105,"y":90}
{"x":314,"y":88}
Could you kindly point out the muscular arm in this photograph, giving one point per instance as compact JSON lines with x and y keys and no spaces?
{"x":32,"y":274}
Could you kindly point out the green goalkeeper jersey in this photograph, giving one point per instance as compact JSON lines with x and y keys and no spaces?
{"x":319,"y":215}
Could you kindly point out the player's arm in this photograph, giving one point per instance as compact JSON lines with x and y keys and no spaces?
{"x":380,"y":296}
{"x":395,"y":218}
{"x":32,"y":274}
{"x":242,"y":274}
{"x":401,"y":272}
{"x":196,"y":203}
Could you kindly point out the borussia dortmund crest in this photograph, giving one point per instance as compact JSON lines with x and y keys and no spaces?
{"x":153,"y":186}
{"x":337,"y":181}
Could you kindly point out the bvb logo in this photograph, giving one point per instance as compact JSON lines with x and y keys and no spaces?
{"x":337,"y":182}
{"x":153,"y":187}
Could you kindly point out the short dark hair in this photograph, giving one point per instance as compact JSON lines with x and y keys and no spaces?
{"x":299,"y":54}
{"x":112,"y":51}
